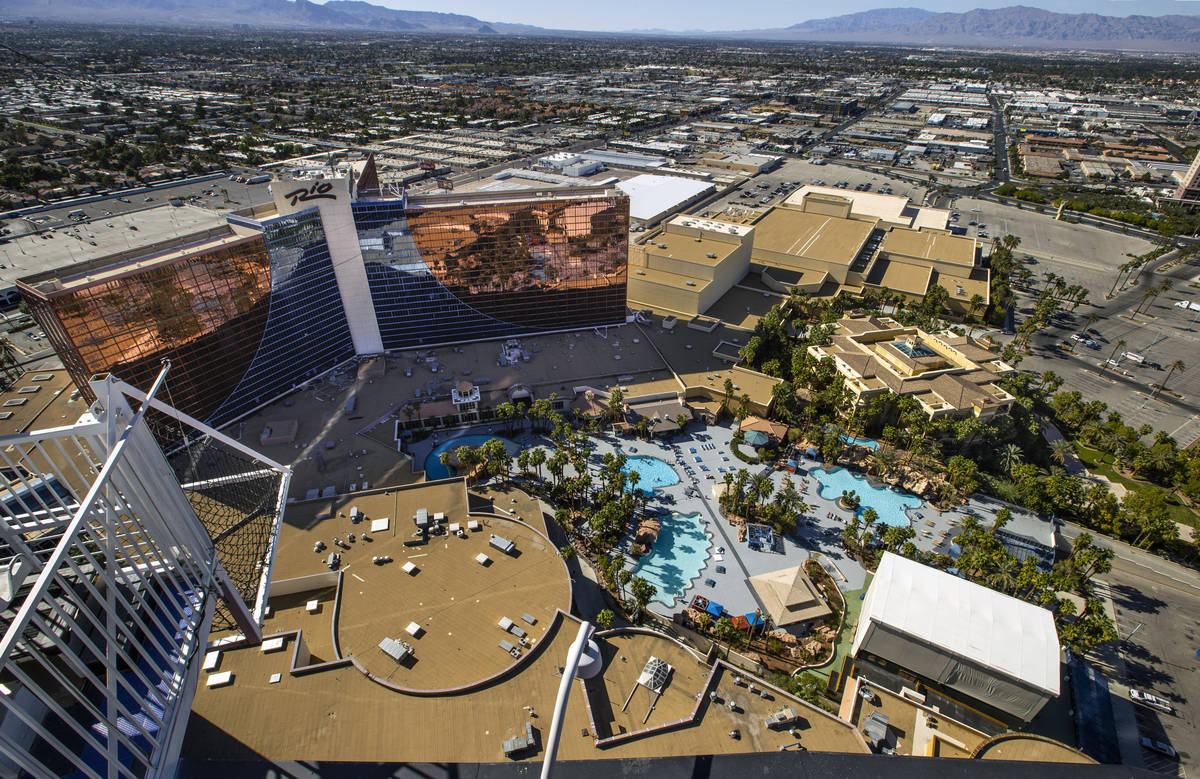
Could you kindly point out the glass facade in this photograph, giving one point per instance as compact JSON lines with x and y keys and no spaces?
{"x":306,"y":332}
{"x":245,"y":319}
{"x":205,"y":311}
{"x":492,"y":269}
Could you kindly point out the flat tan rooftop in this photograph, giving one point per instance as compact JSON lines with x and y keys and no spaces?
{"x":39,"y":400}
{"x":889,"y":208}
{"x":456,"y":601}
{"x":688,"y":249}
{"x":813,"y":236}
{"x":339,"y":714}
{"x":901,"y":276}
{"x":929,"y":245}
{"x":667,"y":279}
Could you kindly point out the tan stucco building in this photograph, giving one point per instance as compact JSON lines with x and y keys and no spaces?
{"x":948,"y":374}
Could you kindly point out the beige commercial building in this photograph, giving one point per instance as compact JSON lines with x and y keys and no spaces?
{"x":948,"y":374}
{"x":825,"y":240}
{"x":688,"y":265}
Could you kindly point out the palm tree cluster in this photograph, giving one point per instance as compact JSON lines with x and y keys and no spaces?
{"x":750,"y":496}
{"x":986,"y":560}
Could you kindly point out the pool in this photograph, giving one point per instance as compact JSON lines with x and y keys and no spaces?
{"x":888,"y":503}
{"x":869,"y":443}
{"x":677,"y":557}
{"x":652,"y":472}
{"x":914,"y":351}
{"x":433,"y":464}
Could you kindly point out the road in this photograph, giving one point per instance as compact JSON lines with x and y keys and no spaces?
{"x":1157,"y":614}
{"x":1164,"y":336}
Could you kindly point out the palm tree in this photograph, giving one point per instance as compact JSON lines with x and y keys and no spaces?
{"x":1010,"y":457}
{"x":1008,"y":568}
{"x":1116,"y":346}
{"x":1059,"y":450}
{"x":884,"y":457}
{"x":761,"y":487}
{"x":1147,"y":296}
{"x":1175,"y":366}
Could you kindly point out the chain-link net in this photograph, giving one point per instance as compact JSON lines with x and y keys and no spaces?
{"x":235,"y":498}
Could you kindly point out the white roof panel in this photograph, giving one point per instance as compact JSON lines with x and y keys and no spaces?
{"x":651,"y":195}
{"x":1007,"y":635}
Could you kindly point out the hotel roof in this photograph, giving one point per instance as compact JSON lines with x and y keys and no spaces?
{"x":695,"y":249}
{"x":813,"y":236}
{"x":133,"y":232}
{"x":929,"y":245}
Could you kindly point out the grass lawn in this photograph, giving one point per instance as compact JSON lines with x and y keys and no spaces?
{"x":846,"y":637}
{"x":1101,"y":464}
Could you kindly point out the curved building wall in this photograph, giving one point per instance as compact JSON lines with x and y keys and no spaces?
{"x":306,"y":332}
{"x":492,"y":269}
{"x":205,"y":311}
{"x":246,"y":318}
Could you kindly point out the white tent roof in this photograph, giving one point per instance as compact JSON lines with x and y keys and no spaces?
{"x":1004,"y":634}
{"x":651,"y":195}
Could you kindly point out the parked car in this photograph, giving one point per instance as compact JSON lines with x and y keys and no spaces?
{"x":1153,"y":701}
{"x":1160,"y":747}
{"x":1091,"y":344}
{"x":1077,"y":337}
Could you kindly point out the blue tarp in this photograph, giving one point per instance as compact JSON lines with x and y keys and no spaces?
{"x":811,"y":453}
{"x":753,"y":619}
{"x":716,"y":609}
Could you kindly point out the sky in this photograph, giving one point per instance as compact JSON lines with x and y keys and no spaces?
{"x":619,"y":15}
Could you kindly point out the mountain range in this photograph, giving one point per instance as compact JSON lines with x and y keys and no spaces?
{"x":1015,"y":26}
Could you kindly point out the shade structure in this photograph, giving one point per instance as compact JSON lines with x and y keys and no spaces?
{"x":788,"y":596}
{"x":757,"y":438}
{"x":716,"y":609}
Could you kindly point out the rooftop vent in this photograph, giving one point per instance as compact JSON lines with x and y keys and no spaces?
{"x":690,"y":283}
{"x":640,"y":272}
{"x":711,"y":255}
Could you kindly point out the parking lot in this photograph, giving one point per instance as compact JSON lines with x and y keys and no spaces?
{"x":1081,"y":254}
{"x":747,"y":198}
{"x":1163,"y":334}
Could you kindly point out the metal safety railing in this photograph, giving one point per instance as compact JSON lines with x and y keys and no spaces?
{"x":108,"y":585}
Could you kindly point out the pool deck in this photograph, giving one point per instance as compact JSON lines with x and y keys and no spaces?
{"x":821,"y":534}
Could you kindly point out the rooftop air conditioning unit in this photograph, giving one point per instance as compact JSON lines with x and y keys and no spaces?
{"x":711,"y":255}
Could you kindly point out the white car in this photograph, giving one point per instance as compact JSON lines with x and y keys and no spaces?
{"x":1077,"y":337}
{"x":1153,"y":701}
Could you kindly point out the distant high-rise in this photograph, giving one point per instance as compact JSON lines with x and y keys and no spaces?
{"x":249,"y":309}
{"x":1189,"y":188}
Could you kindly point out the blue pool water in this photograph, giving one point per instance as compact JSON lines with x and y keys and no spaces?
{"x":869,"y":443}
{"x":913,"y":351}
{"x":433,"y":464}
{"x":677,"y":557}
{"x":652,"y":472}
{"x":889,"y":504}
